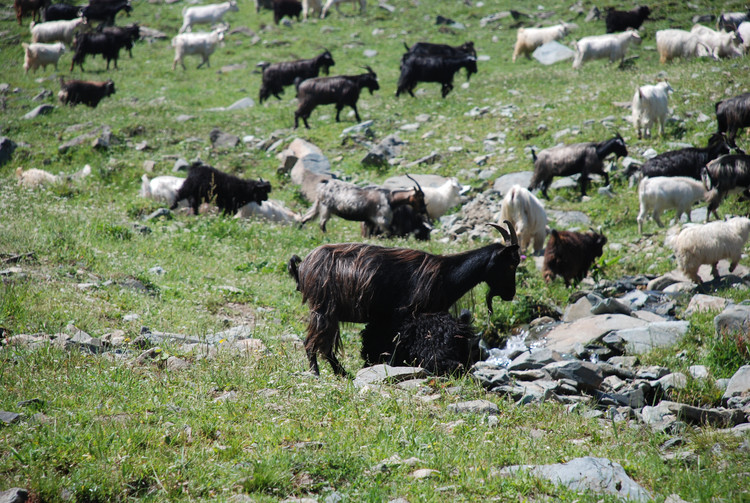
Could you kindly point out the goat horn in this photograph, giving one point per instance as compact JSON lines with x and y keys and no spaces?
{"x":416,"y":182}
{"x":502,"y":231}
{"x":513,"y":237}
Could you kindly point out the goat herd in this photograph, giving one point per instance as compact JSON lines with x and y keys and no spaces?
{"x":403,"y":295}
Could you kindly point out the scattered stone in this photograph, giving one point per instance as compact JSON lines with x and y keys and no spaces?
{"x":475,"y":407}
{"x":242,"y":104}
{"x":384,"y":374}
{"x":587,"y":375}
{"x":552,"y":52}
{"x":739,"y":384}
{"x":388,"y":148}
{"x":735,"y":319}
{"x":701,"y":303}
{"x":642,"y":339}
{"x":563,"y":338}
{"x":428,"y":159}
{"x":175,"y":364}
{"x":423,"y":473}
{"x":9,"y":417}
{"x":503,"y":184}
{"x":40,"y":110}
{"x":14,"y":495}
{"x":220,"y":139}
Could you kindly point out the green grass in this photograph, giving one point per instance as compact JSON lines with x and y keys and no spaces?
{"x":111,"y":431}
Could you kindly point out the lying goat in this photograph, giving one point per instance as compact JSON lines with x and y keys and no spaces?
{"x":570,"y":254}
{"x":162,"y":189}
{"x":362,"y":283}
{"x":35,"y":178}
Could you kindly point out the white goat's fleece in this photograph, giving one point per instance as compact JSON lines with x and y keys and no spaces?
{"x":527,"y":215}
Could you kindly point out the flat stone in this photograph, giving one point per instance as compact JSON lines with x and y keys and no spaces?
{"x":309,"y":171}
{"x":383,"y":374}
{"x":536,"y":358}
{"x":580,"y":309}
{"x":698,"y":371}
{"x":220,"y":139}
{"x":734,"y":319}
{"x":739,"y":384}
{"x":569,"y":218}
{"x":504,"y":183}
{"x":475,"y":407}
{"x":242,"y":104}
{"x":552,"y":52}
{"x":14,"y":495}
{"x":588,"y":375}
{"x":40,"y":110}
{"x":642,"y":339}
{"x":675,"y":380}
{"x":563,"y":338}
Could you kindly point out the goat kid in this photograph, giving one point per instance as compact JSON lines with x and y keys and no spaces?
{"x":41,"y":55}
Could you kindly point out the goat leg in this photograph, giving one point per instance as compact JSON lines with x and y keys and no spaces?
{"x":356,"y":113}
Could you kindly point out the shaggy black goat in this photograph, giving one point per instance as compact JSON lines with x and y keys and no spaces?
{"x":362,"y":283}
{"x":618,"y":20}
{"x":441,"y":51}
{"x":124,"y":36}
{"x":342,"y":90}
{"x":278,"y":75}
{"x":570,"y":254}
{"x":207,"y":184}
{"x":685,"y":161}
{"x":289,"y":8}
{"x":106,"y":44}
{"x":89,"y":93}
{"x":728,"y":173}
{"x":437,"y":342}
{"x":416,"y":68}
{"x":105,"y":11}
{"x":733,"y":114}
{"x":583,"y":158}
{"x":61,"y":12}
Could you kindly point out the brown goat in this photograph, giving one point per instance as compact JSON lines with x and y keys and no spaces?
{"x":33,"y":7}
{"x":570,"y":254}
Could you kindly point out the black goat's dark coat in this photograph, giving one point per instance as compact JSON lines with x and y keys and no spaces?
{"x":618,"y":20}
{"x":206,"y":184}
{"x":33,"y":7}
{"x":61,"y":12}
{"x":436,"y":342}
{"x":406,"y":222}
{"x":417,"y":68}
{"x":89,"y":93}
{"x":440,"y":51}
{"x":277,"y":75}
{"x":105,"y":11}
{"x":686,"y":161}
{"x":724,"y":175}
{"x":341,"y":90}
{"x":570,"y":254}
{"x":92,"y":43}
{"x":362,"y":283}
{"x":123,"y":36}
{"x":289,"y":8}
{"x":733,"y":114}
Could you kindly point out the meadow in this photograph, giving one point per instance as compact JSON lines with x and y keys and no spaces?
{"x":107,"y":430}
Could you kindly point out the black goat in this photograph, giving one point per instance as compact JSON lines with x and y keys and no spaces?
{"x":289,"y":8}
{"x":105,"y":11}
{"x":729,"y":21}
{"x":61,"y":12}
{"x":436,"y":342}
{"x":124,"y":36}
{"x":89,"y":93}
{"x":342,"y":90}
{"x":685,"y":161}
{"x":441,"y":51}
{"x":416,"y":68}
{"x":92,"y":43}
{"x":405,"y":222}
{"x":285,"y":73}
{"x":207,"y":184}
{"x":570,"y":254}
{"x":618,"y":20}
{"x":728,"y":173}
{"x":583,"y":158}
{"x":361,"y":283}
{"x":733,"y":114}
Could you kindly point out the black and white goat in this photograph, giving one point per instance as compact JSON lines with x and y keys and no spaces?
{"x":618,"y":20}
{"x":205,"y":184}
{"x":341,"y":90}
{"x":728,"y":173}
{"x":685,"y":161}
{"x":278,"y":75}
{"x":565,"y":160}
{"x":417,"y":68}
{"x":733,"y":114}
{"x":362,"y":283}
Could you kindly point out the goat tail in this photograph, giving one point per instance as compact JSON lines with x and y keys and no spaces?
{"x":293,"y":269}
{"x":533,"y":155}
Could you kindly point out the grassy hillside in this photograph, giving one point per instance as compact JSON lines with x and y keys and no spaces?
{"x":113,"y":431}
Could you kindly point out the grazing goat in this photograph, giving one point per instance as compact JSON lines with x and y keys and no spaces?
{"x":105,"y":11}
{"x":612,"y":46}
{"x":650,"y":106}
{"x":441,"y":51}
{"x":205,"y":14}
{"x":206,"y":184}
{"x":733,"y":114}
{"x":418,"y":68}
{"x":570,"y":254}
{"x":730,"y":21}
{"x":440,"y":199}
{"x":362,"y":283}
{"x":35,"y":178}
{"x":721,"y":43}
{"x":618,"y":20}
{"x":288,"y":8}
{"x":61,"y":12}
{"x":33,"y":7}
{"x":273,"y":211}
{"x":342,"y":90}
{"x":686,"y":161}
{"x":55,"y":31}
{"x":336,"y":3}
{"x":667,"y":192}
{"x":311,"y":6}
{"x":584,"y":158}
{"x":277,"y":75}
{"x":437,"y":342}
{"x":124,"y":36}
{"x":528,"y":39}
{"x":728,"y":173}
{"x":708,"y":243}
{"x":201,"y":43}
{"x":673,"y":44}
{"x":89,"y":93}
{"x":41,"y":55}
{"x":162,"y":189}
{"x":97,"y":43}
{"x":526,"y":213}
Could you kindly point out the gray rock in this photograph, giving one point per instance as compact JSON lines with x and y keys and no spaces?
{"x":9,"y":417}
{"x":428,"y":159}
{"x":535,"y":359}
{"x":402,"y":182}
{"x":675,"y":380}
{"x":563,"y":338}
{"x":735,"y":319}
{"x":175,"y":364}
{"x":7,"y":147}
{"x":84,"y":341}
{"x":180,"y":165}
{"x":384,"y":374}
{"x":642,"y":339}
{"x":362,"y":127}
{"x":580,"y":309}
{"x":242,"y":104}
{"x":219,"y":139}
{"x":660,"y":283}
{"x":659,"y":416}
{"x":739,"y":384}
{"x":552,"y":52}
{"x":698,"y":371}
{"x":633,"y":397}
{"x":310,"y":170}
{"x":611,"y":306}
{"x":184,"y":118}
{"x":14,"y":495}
{"x":635,"y":299}
{"x":475,"y":407}
{"x":721,"y":418}
{"x":491,"y":377}
{"x":569,"y":218}
{"x":586,"y":374}
{"x":40,"y":110}
{"x":506,"y":182}
{"x":588,"y":474}
{"x":388,"y":148}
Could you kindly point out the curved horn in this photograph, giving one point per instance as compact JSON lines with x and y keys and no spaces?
{"x":513,"y":237}
{"x":415,"y":182}
{"x":502,"y":231}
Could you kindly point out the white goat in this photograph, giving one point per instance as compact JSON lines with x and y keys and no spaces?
{"x":271,"y":210}
{"x":667,"y":192}
{"x":35,"y":178}
{"x":55,"y":31}
{"x":673,"y":44}
{"x":743,"y":30}
{"x":721,"y":43}
{"x":202,"y":43}
{"x":527,"y":215}
{"x":612,"y":46}
{"x":709,"y":243}
{"x":205,"y":14}
{"x":310,"y":6}
{"x":41,"y":55}
{"x":528,"y":39}
{"x":336,"y":3}
{"x":162,"y":189}
{"x":650,"y":105}
{"x":440,"y":199}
